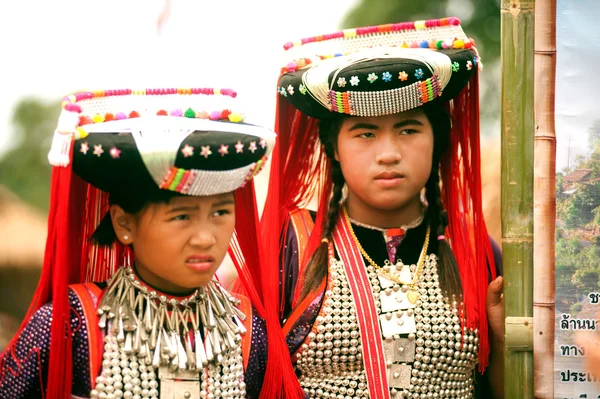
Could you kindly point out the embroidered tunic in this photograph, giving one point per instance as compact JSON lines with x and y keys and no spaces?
{"x":24,"y":366}
{"x":427,"y":353}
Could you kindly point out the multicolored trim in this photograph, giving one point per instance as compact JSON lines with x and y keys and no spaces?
{"x":209,"y":182}
{"x":368,"y":103}
{"x":73,"y":118}
{"x":458,"y":44}
{"x":370,"y":30}
{"x":73,"y":99}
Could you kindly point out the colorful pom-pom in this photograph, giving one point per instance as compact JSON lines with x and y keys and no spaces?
{"x":98,"y":118}
{"x":215,"y":115}
{"x":202,"y":115}
{"x":80,"y":133}
{"x":235,"y":117}
{"x":189,"y":113}
{"x":419,"y":24}
{"x":177,"y":112}
{"x":458,"y":43}
{"x":162,"y":112}
{"x":134,"y":114}
{"x":120,"y":115}
{"x":109,"y":117}
{"x":72,"y":107}
{"x":85,"y":120}
{"x":424,"y":44}
{"x":292,"y":66}
{"x":225,"y":113}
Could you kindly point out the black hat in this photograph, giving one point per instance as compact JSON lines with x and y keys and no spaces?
{"x":403,"y":67}
{"x":183,"y":140}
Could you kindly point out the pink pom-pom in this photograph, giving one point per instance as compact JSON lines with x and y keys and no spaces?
{"x":176,"y":112}
{"x":120,"y":115}
{"x":292,"y":66}
{"x":215,"y":115}
{"x":73,"y":107}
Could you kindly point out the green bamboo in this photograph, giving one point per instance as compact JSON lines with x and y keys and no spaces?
{"x":517,"y":35}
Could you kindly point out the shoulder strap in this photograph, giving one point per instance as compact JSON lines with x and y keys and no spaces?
{"x":89,"y":295}
{"x":303,"y":224}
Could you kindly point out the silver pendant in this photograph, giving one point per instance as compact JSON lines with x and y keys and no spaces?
{"x":398,"y":376}
{"x":182,"y":384}
{"x":400,"y":350}
{"x":397,"y":323}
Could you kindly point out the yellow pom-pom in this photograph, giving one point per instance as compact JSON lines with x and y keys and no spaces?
{"x":99,"y":93}
{"x":80,"y":133}
{"x":419,"y":24}
{"x":349,"y":32}
{"x":235,"y":117}
{"x":458,"y":43}
{"x":404,"y":45}
{"x":98,"y":118}
{"x":217,"y":91}
{"x":297,"y":44}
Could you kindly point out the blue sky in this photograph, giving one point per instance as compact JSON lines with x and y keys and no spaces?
{"x":577,"y":79}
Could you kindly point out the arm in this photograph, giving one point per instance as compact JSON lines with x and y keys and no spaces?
{"x":24,"y":364}
{"x":495,"y":311}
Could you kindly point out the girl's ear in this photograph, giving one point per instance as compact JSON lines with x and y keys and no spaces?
{"x":123,"y":223}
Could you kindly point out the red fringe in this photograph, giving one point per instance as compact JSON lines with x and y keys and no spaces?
{"x":461,"y":193}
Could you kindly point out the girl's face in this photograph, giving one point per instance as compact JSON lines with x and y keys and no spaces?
{"x":386,"y":160}
{"x":179,"y":245}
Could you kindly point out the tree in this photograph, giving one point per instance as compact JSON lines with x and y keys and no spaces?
{"x":24,"y":169}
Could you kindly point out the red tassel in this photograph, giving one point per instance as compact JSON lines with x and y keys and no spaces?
{"x":467,"y":232}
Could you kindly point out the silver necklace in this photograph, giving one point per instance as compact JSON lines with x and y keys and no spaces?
{"x":146,"y":329}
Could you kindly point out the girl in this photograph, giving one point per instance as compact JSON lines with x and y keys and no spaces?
{"x":162,"y":178}
{"x":387,"y":298}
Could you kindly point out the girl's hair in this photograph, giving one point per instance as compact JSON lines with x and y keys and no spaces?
{"x":449,"y":276}
{"x":131,"y":202}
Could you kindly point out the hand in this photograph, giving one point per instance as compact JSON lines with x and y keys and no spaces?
{"x":494,"y":304}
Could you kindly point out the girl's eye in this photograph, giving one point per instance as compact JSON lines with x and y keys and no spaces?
{"x":183,"y":216}
{"x":366,"y":135}
{"x":222,"y":212}
{"x":407,"y":131}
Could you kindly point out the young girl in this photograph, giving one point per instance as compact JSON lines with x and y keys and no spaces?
{"x":387,"y":298}
{"x":162,"y":179}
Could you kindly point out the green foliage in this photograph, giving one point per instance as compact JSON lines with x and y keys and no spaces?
{"x":580,"y":207}
{"x":578,"y":239}
{"x":25,"y":169}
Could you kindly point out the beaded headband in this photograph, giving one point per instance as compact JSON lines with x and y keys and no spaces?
{"x":190,"y":141}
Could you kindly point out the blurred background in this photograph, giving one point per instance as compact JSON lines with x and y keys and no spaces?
{"x":54,"y":48}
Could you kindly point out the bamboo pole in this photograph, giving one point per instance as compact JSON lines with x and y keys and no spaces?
{"x":544,"y":199}
{"x":517,"y":27}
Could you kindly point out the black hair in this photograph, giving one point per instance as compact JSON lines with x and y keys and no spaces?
{"x":131,"y":202}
